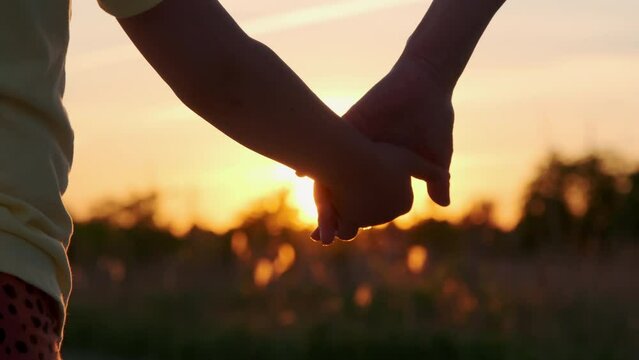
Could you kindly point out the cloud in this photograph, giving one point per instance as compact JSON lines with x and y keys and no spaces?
{"x":319,"y":14}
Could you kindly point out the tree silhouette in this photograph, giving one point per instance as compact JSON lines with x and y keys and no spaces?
{"x":576,"y":203}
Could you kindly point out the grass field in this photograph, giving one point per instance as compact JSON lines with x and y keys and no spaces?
{"x":472,"y":307}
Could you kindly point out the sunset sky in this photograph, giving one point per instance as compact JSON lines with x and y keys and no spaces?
{"x":547,"y":75}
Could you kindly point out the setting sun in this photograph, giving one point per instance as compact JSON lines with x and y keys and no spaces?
{"x":300,"y":196}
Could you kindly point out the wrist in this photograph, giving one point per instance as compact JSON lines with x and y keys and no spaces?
{"x":424,"y":67}
{"x":446,"y":38}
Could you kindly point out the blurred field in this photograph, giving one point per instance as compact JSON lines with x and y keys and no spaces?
{"x":562,"y":285}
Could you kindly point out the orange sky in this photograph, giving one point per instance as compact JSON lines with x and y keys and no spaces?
{"x":548,"y":75}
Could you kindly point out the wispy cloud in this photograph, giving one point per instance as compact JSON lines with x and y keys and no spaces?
{"x":319,"y":14}
{"x":285,"y":21}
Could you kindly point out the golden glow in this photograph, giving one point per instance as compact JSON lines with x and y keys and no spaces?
{"x":263,"y":273}
{"x":266,"y":270}
{"x":239,"y":244}
{"x":127,"y":143}
{"x":300,"y":196}
{"x":576,"y":196}
{"x":340,"y":104}
{"x":363,"y":295}
{"x":416,"y":258}
{"x":285,"y":258}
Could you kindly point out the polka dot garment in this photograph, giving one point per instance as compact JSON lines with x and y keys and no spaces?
{"x":29,"y":322}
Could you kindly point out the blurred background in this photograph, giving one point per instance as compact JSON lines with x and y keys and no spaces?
{"x":188,"y":245}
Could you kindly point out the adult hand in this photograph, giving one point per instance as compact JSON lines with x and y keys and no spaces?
{"x":410,"y":107}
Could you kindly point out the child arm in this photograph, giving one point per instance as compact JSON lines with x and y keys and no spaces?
{"x":241,"y":87}
{"x":244,"y":89}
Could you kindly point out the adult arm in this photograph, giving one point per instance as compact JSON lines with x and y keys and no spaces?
{"x":412,"y":105}
{"x":448,"y":34}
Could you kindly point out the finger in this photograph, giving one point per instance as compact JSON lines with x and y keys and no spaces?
{"x":327,"y":217}
{"x":346,"y":231}
{"x":439,"y":191}
{"x":425,"y":170}
{"x":327,"y":227}
{"x":437,"y":178}
{"x":315,"y":235}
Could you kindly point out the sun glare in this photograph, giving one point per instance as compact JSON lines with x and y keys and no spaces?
{"x":301,"y":195}
{"x":301,"y":188}
{"x":302,"y":198}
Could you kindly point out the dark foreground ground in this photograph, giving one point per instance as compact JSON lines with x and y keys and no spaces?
{"x":540,"y":307}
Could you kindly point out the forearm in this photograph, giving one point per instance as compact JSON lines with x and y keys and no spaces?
{"x":274,"y":113}
{"x":242,"y":88}
{"x":446,"y":37}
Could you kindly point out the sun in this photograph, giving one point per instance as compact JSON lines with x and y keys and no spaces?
{"x":300,"y":196}
{"x":301,"y":188}
{"x":302,"y":199}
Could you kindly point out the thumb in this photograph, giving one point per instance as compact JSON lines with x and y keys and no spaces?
{"x":437,"y":178}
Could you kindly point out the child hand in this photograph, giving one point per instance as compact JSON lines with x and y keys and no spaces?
{"x":374,"y":193}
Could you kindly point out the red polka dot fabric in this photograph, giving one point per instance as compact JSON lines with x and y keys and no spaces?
{"x":29,"y":322}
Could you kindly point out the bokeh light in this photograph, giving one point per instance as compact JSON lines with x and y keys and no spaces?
{"x":416,"y":258}
{"x":363,"y":296}
{"x":263,"y":273}
{"x":285,"y":258}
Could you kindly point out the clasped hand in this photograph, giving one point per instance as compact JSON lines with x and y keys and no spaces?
{"x":409,"y":116}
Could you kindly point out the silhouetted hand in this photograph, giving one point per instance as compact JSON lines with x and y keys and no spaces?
{"x":377,"y":190}
{"x":410,"y":108}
